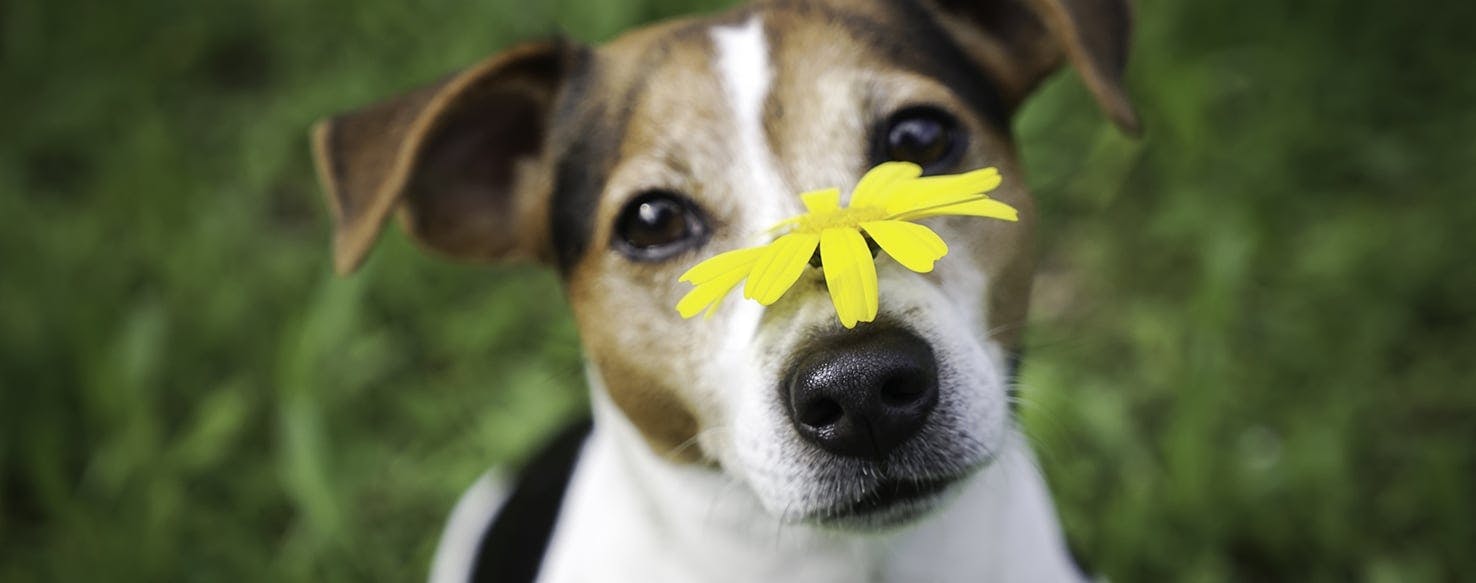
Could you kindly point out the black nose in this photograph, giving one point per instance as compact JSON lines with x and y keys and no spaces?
{"x":864,"y":396}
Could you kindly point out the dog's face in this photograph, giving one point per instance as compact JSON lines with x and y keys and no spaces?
{"x":625,"y":165}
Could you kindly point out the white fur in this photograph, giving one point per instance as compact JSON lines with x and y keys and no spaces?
{"x":746,"y":74}
{"x":742,"y":66}
{"x":631,"y":516}
{"x":456,"y":554}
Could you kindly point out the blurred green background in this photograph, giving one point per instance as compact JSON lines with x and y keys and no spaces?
{"x":1251,"y":356}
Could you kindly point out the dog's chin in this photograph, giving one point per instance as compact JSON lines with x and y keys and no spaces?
{"x":890,"y":504}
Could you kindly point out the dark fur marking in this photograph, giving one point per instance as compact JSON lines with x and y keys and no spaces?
{"x":583,"y":166}
{"x":952,"y":66}
{"x":579,"y":176}
{"x":916,"y":41}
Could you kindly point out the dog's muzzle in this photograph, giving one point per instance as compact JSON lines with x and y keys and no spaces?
{"x":861,"y":395}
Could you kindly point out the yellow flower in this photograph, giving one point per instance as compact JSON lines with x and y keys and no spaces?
{"x":882,"y":203}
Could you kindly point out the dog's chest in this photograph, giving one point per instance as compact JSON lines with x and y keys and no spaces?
{"x":623,"y":524}
{"x":628,"y":518}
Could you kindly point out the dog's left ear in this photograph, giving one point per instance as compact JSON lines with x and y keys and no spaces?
{"x":1027,"y":39}
{"x":464,"y":160}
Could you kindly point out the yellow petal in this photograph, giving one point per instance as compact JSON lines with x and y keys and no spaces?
{"x":721,"y":264}
{"x":934,"y":191}
{"x":978,"y":207}
{"x":850,"y":275}
{"x":780,"y":266}
{"x":880,"y":181}
{"x":914,"y":246}
{"x":822,"y":201}
{"x":709,"y":294}
{"x":714,"y":278}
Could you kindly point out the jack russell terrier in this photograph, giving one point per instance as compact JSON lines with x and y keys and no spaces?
{"x":764,"y":443}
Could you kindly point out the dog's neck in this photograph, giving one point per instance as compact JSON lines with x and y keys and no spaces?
{"x":633,"y":516}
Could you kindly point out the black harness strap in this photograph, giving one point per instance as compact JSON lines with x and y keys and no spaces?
{"x":513,"y":546}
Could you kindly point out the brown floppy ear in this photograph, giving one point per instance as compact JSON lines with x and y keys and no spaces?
{"x":463,"y":160}
{"x":1027,"y":40}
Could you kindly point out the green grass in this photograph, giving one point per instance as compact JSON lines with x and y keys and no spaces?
{"x":1251,"y":359}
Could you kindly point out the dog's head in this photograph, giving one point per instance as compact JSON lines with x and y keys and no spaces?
{"x":624,"y":165}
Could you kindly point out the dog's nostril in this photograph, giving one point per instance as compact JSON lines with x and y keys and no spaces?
{"x":900,"y":391}
{"x":821,"y":413}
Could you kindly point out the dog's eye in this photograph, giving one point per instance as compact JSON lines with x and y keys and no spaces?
{"x":926,"y":136}
{"x":657,"y":225}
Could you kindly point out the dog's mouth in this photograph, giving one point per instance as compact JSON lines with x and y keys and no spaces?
{"x":891,"y":502}
{"x":892,"y":493}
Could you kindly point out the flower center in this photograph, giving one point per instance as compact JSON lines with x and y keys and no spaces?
{"x":845,"y":217}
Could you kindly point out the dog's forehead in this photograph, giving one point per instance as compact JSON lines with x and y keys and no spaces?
{"x":800,"y":36}
{"x":656,"y":86}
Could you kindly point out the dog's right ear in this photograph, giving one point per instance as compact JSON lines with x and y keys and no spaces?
{"x":464,"y":160}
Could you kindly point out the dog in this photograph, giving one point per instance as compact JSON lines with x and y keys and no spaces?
{"x":763,"y":443}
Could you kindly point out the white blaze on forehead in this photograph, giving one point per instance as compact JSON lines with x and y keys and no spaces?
{"x":743,"y":66}
{"x":747,"y":76}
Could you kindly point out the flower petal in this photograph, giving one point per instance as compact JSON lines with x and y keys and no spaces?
{"x":934,"y":191}
{"x":978,"y":207}
{"x":915,"y":246}
{"x":822,"y":201}
{"x":709,"y":294}
{"x":721,"y":264}
{"x":714,"y":278}
{"x":879,"y":182}
{"x":780,"y":266}
{"x":850,"y":274}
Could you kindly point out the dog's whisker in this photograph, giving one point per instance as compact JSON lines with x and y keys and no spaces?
{"x":730,"y":485}
{"x":680,"y":448}
{"x":1048,"y":420}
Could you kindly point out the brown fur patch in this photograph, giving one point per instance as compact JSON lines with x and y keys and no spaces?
{"x":624,"y":308}
{"x":653,"y":406}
